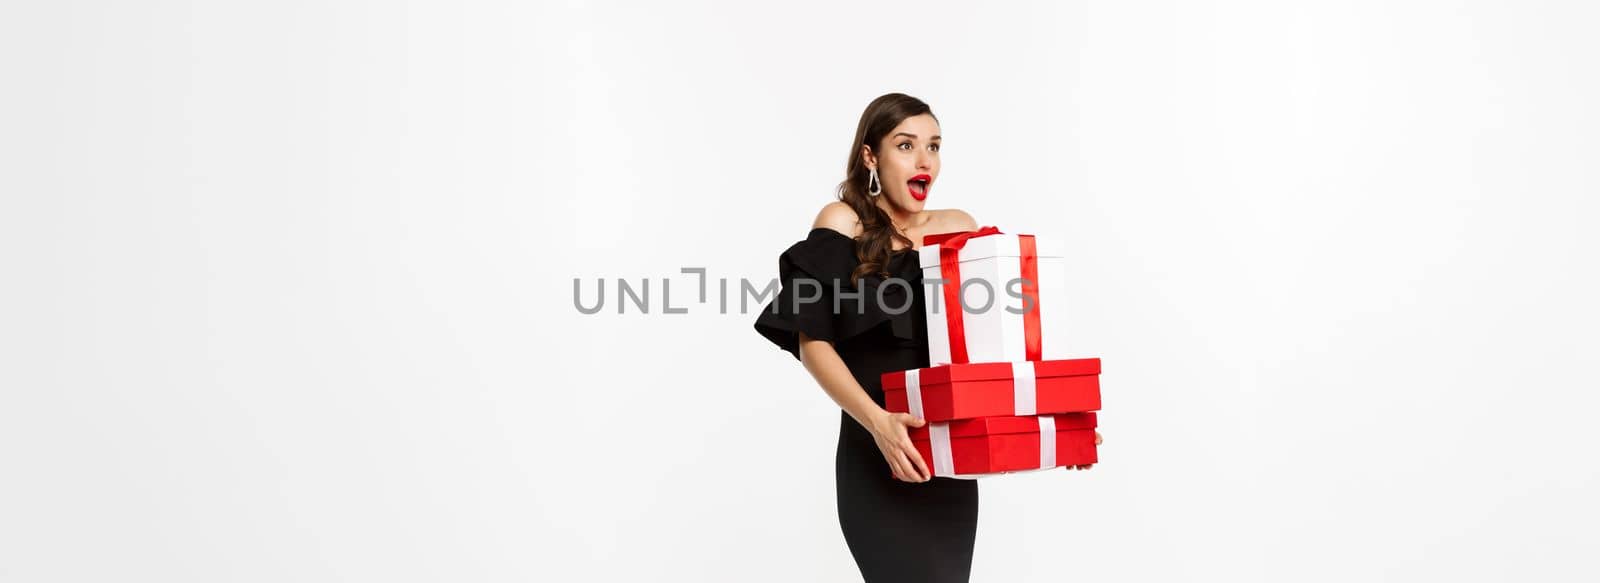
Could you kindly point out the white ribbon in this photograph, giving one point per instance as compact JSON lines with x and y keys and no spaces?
{"x":914,"y":392}
{"x":1047,"y":442}
{"x":1025,"y":389}
{"x":939,"y":438}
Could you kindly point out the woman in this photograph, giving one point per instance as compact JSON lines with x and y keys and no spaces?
{"x":900,"y":523}
{"x":851,"y":309}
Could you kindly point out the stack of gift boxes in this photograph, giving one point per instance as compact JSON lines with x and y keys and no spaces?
{"x":1001,"y":395}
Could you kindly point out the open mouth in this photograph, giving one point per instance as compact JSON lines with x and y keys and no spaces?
{"x":918,"y":186}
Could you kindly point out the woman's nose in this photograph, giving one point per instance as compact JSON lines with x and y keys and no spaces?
{"x":924,"y":160}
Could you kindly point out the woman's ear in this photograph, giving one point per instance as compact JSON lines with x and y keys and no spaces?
{"x":867,"y":157}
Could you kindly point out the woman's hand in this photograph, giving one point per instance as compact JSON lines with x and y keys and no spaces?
{"x":1097,"y":441}
{"x":889,"y":430}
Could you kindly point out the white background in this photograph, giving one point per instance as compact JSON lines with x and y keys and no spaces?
{"x":288,"y":286}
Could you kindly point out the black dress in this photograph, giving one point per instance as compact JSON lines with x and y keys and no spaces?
{"x":897,"y":531}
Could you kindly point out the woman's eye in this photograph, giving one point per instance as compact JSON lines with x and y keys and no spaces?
{"x":934,"y":147}
{"x":905,"y":145}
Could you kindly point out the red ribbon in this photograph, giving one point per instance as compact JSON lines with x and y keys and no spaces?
{"x":950,"y":245}
{"x":1030,"y":289}
{"x":955,"y":241}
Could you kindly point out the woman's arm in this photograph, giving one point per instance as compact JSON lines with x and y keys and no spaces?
{"x":888,"y":429}
{"x":823,"y":362}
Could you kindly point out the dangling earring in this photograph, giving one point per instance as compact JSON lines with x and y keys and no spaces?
{"x":874,"y":188}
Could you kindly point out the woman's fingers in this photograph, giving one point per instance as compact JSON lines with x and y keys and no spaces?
{"x":917,"y":463}
{"x":1097,"y":439}
{"x":901,"y":454}
{"x":909,"y":420}
{"x":895,"y":467}
{"x":908,"y":471}
{"x":907,"y":465}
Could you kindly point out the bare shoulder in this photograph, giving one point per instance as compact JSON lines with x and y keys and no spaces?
{"x":952,"y":220}
{"x":840,"y":217}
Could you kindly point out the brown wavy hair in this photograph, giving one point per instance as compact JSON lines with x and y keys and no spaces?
{"x":875,"y":246}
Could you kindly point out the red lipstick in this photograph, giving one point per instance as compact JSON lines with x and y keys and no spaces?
{"x":918,"y":186}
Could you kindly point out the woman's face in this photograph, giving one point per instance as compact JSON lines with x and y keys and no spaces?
{"x":908,"y":161}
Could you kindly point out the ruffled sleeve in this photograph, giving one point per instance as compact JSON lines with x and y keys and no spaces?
{"x":814,"y":276}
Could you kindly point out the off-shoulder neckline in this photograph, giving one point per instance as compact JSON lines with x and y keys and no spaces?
{"x":852,"y":240}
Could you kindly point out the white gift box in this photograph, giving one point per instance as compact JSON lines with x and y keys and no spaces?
{"x":994,"y":322}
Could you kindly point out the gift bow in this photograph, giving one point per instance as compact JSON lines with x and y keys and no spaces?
{"x":950,"y":245}
{"x":957,"y":240}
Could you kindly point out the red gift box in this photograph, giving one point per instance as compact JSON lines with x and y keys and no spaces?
{"x":971,"y":448}
{"x":967,"y":391}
